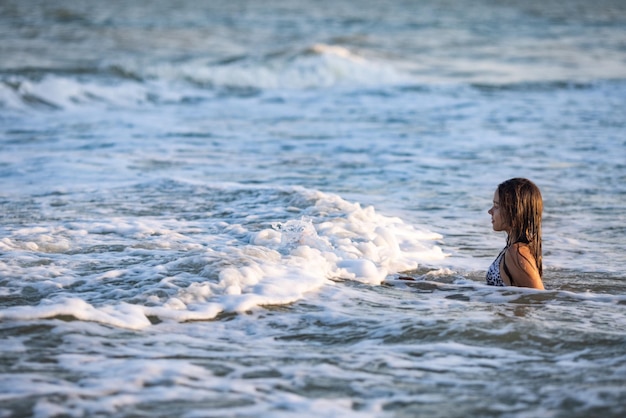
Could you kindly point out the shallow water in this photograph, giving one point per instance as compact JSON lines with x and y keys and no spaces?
{"x":206,"y":208}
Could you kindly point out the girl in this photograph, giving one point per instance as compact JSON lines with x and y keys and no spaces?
{"x":517,"y":207}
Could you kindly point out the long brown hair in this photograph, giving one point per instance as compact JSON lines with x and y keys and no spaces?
{"x":521,"y":206}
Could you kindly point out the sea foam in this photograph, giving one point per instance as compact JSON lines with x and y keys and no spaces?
{"x":318,"y":66}
{"x":173,"y":269}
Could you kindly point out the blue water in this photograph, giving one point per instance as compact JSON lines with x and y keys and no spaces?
{"x":206,"y":208}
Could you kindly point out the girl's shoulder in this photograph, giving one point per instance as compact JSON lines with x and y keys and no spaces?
{"x":519,"y":246}
{"x":521,"y":256}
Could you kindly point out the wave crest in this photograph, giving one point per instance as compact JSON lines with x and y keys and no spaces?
{"x":318,"y":66}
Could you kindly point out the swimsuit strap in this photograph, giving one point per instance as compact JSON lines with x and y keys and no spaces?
{"x":506,"y":270}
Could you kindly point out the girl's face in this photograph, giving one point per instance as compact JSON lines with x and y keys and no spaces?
{"x":496,"y":217}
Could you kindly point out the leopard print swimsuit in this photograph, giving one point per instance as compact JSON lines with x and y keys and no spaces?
{"x":493,"y":274}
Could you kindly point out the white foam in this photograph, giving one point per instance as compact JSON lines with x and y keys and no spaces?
{"x":68,"y":93}
{"x":320,"y":66}
{"x":120,"y":315}
{"x":237,"y":268}
{"x":299,"y":256}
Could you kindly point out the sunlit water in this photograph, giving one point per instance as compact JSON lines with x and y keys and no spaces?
{"x":206,"y":208}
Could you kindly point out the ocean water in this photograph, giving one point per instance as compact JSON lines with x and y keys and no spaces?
{"x":206,"y":208}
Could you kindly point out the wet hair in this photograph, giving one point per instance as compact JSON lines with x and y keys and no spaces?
{"x":521,"y":206}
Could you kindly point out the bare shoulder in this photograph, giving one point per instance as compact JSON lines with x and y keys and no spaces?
{"x":523,"y":266}
{"x":520,"y":254}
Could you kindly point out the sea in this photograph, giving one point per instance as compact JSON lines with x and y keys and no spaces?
{"x":278,"y":208}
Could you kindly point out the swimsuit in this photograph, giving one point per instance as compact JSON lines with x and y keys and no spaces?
{"x":493,"y":274}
